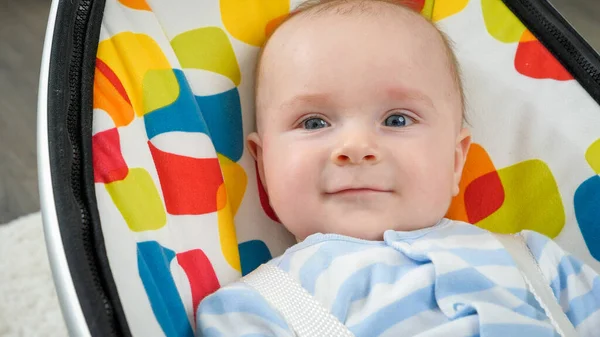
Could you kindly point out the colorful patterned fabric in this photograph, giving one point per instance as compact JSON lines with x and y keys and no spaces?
{"x":453,"y":279}
{"x":181,"y":210}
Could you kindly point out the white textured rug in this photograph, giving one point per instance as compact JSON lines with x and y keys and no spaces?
{"x":28,"y":303}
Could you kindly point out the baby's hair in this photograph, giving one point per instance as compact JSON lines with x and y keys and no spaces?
{"x":317,"y":7}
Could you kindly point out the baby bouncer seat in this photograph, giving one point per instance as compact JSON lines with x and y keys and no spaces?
{"x":150,"y":201}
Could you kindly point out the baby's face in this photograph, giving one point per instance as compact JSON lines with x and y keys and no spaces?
{"x":359,"y":124}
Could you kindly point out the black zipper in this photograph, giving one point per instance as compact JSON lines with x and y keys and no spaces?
{"x":555,"y":33}
{"x":74,"y":128}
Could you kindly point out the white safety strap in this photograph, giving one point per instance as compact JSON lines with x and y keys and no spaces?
{"x":302,"y":312}
{"x":535,"y":280}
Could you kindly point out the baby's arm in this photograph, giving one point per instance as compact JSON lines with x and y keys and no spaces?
{"x":238,"y":310}
{"x":575,"y":284}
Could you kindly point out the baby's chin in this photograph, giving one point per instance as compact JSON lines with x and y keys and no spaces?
{"x":371,"y":229}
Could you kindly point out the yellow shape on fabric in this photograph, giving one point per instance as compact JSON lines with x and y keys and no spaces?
{"x":247,"y":20}
{"x":427,"y":10}
{"x":235,"y":181}
{"x":160,"y":89}
{"x":227,"y":238}
{"x":445,"y":8}
{"x":592,"y":155}
{"x":131,"y":56}
{"x":209,"y":49}
{"x":532,"y":201}
{"x":500,"y":22}
{"x":137,"y":198}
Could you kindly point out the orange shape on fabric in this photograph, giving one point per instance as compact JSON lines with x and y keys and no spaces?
{"x":221,"y":197}
{"x":535,"y":61}
{"x":235,"y":181}
{"x":477,"y":164}
{"x":136,"y":4}
{"x":527,"y":36}
{"x":110,"y":95}
{"x":189,"y":185}
{"x":130,"y":56}
{"x":107,"y":159}
{"x":273,"y":24}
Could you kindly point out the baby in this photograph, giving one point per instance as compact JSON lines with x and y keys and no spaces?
{"x":360,"y":145}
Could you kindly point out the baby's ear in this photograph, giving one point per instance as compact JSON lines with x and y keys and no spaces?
{"x":463,"y":143}
{"x":254,"y":144}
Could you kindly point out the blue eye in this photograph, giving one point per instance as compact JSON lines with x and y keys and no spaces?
{"x":397,"y":121}
{"x":314,"y":123}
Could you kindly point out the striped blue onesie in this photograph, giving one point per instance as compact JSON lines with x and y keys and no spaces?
{"x":452,"y":279}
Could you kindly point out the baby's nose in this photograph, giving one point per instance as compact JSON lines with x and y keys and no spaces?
{"x":355,"y":154}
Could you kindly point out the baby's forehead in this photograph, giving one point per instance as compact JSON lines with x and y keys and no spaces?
{"x":312,"y":23}
{"x":309,"y":27}
{"x":353,"y":8}
{"x":359,"y":10}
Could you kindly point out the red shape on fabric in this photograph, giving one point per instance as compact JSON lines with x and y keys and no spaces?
{"x":264,"y":198}
{"x":484,"y":196}
{"x":189,"y":185}
{"x":107,"y":159}
{"x":200,"y":273}
{"x":535,"y":61}
{"x":112,"y":78}
{"x":416,"y":5}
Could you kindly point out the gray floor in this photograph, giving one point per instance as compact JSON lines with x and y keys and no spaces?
{"x":584,"y":15}
{"x":22,"y":26}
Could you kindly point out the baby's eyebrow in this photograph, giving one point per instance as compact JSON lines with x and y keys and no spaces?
{"x":312,"y":99}
{"x":392,"y":93}
{"x":407,"y":94}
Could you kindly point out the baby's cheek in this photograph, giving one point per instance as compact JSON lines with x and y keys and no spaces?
{"x":295,"y":192}
{"x":287,"y":180}
{"x":432,"y":180}
{"x":440,"y":190}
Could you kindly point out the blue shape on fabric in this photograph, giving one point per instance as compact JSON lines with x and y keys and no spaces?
{"x":587,"y":212}
{"x":223,"y":115}
{"x":154,"y":268}
{"x":182,"y":115}
{"x":253,"y":253}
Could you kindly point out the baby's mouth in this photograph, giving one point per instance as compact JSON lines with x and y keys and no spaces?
{"x":359,"y":191}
